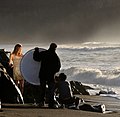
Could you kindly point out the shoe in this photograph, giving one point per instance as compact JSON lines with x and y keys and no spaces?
{"x":72,"y":106}
{"x":82,"y":101}
{"x":62,"y":106}
{"x":53,"y":107}
{"x":41,"y":104}
{"x":100,"y":108}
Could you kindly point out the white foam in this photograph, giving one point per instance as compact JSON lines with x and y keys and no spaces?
{"x":91,"y":76}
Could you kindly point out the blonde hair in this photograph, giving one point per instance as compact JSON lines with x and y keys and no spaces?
{"x":16,"y":49}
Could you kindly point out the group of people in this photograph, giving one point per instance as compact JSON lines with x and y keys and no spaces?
{"x":50,"y":65}
{"x":59,"y":90}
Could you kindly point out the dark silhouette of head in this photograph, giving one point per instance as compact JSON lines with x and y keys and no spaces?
{"x":53,"y":46}
{"x":62,"y":77}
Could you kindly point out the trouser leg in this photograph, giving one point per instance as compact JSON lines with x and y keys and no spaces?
{"x":42,"y":91}
{"x":51,"y":88}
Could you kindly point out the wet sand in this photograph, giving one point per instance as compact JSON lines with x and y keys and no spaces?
{"x":28,"y":110}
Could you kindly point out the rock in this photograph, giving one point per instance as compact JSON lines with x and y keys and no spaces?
{"x":78,"y":88}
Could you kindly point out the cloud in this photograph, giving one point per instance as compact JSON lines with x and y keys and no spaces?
{"x":63,"y":21}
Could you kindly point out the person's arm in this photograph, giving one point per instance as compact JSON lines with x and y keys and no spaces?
{"x":11,"y":60}
{"x":36,"y":55}
{"x":58,"y":64}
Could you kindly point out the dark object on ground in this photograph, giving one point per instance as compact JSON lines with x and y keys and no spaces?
{"x":31,"y":92}
{"x":98,"y":108}
{"x":4,"y":60}
{"x":8,"y":93}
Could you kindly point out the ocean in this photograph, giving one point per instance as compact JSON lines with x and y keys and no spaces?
{"x":96,"y":64}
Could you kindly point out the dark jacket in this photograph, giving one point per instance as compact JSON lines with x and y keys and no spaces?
{"x":50,"y":62}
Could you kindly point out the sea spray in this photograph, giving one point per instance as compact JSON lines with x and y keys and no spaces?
{"x":91,"y":76}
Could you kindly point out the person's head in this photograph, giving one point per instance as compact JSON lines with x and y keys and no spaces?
{"x":17,"y":49}
{"x":53,"y":46}
{"x":57,"y":79}
{"x":62,"y":77}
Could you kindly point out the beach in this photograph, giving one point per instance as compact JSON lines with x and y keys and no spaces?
{"x":86,"y":34}
{"x":88,"y":68}
{"x":28,"y":110}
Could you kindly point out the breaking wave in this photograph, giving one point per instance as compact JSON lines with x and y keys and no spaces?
{"x":90,"y":46}
{"x":92,"y":76}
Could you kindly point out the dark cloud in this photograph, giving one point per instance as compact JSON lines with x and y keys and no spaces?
{"x":63,"y":21}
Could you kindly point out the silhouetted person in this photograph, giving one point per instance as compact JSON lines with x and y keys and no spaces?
{"x":50,"y":65}
{"x":64,"y":91}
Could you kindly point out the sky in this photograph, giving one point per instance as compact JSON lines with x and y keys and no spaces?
{"x":60,"y":21}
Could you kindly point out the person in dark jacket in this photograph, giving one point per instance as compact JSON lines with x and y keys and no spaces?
{"x":64,"y":91}
{"x":50,"y":65}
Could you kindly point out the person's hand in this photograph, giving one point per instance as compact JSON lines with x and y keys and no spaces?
{"x":11,"y":65}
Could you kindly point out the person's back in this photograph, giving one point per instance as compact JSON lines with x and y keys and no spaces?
{"x":64,"y":90}
{"x":65,"y":93}
{"x":50,"y":64}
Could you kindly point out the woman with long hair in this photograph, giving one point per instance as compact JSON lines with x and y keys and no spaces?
{"x":15,"y":58}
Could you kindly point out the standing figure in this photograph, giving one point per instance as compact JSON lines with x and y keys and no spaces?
{"x":50,"y":65}
{"x":14,"y":62}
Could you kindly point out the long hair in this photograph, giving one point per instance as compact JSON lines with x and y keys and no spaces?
{"x":16,"y":49}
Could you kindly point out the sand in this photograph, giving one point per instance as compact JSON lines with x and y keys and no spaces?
{"x":27,"y":110}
